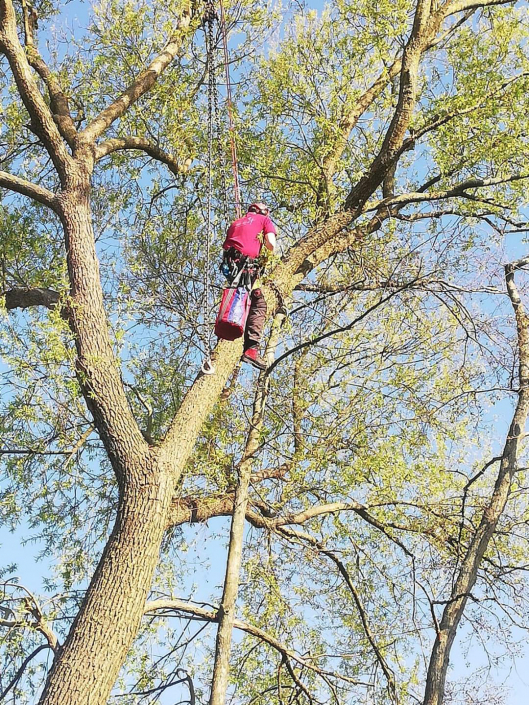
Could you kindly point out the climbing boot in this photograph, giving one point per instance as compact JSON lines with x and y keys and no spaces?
{"x":252,"y":356}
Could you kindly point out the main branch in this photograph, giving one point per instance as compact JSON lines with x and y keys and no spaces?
{"x":26,"y":188}
{"x":140,"y":143}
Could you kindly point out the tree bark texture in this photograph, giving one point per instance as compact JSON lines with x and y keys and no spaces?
{"x":104,"y":629}
{"x":90,"y":660}
{"x":97,"y":366}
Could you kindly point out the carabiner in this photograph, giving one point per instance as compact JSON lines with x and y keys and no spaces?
{"x":208,"y":368}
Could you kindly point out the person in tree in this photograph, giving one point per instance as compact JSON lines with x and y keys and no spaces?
{"x":246,"y":237}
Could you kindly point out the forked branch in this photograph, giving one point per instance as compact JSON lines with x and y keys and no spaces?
{"x":41,"y":116}
{"x":58,"y":99}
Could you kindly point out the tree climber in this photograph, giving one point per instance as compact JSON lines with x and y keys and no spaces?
{"x":244,"y":241}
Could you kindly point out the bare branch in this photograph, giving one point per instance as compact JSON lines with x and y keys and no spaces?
{"x":20,"y":672}
{"x":457,"y":191}
{"x":318,"y":545}
{"x":454,"y":6}
{"x":139,"y":143}
{"x":24,"y":297}
{"x":508,"y":465}
{"x":175,"y":605}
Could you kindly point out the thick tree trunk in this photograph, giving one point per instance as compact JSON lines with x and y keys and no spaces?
{"x":87,"y":666}
{"x":104,"y":630}
{"x":99,"y":371}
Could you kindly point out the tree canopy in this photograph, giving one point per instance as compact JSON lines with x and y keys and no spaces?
{"x":374,"y":476}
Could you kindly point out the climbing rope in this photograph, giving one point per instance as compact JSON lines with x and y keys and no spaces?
{"x":220,"y":158}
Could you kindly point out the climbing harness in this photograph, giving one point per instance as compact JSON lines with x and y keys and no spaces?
{"x":241,"y":272}
{"x":239,"y":269}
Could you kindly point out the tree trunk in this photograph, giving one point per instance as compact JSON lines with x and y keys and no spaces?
{"x":104,"y":630}
{"x":98,"y":370}
{"x":87,"y":667}
{"x":468,"y":572}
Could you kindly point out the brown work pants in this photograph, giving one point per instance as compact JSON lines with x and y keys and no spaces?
{"x":256,"y":320}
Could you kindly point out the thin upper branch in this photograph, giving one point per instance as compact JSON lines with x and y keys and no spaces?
{"x":341,"y":329}
{"x":426,"y":26}
{"x":40,"y":113}
{"x":455,"y":6}
{"x":58,"y":99}
{"x":20,"y":672}
{"x":143,"y":82}
{"x":30,"y":606}
{"x":363,"y":103}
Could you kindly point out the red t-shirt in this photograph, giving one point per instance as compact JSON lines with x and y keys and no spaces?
{"x":243,"y":234}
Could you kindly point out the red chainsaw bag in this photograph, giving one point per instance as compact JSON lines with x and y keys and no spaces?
{"x":233,"y":313}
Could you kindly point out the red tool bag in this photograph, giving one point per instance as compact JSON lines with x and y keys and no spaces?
{"x":233,"y":313}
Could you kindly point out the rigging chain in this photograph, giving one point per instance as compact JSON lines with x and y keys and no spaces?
{"x":233,"y":143}
{"x":207,"y":365}
{"x":214,"y":124}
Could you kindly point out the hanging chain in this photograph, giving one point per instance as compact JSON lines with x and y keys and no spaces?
{"x":214,"y":126}
{"x":229,"y":101}
{"x":209,"y":19}
{"x":220,"y":158}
